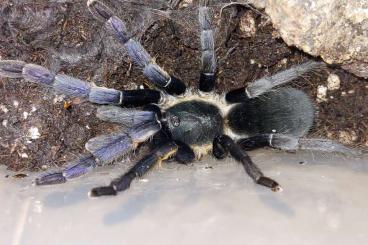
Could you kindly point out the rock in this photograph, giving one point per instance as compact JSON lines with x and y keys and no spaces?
{"x":321,"y":93}
{"x":333,"y":82}
{"x":336,"y":30}
{"x":247,"y":25}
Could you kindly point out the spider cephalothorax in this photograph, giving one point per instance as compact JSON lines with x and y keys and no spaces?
{"x":178,"y":122}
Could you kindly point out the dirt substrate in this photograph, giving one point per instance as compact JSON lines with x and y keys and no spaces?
{"x":36,"y":130}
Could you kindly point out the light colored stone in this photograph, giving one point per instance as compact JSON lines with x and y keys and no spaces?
{"x":333,"y":82}
{"x":247,"y":25}
{"x":321,"y":93}
{"x":33,"y":133}
{"x":336,"y":30}
{"x":347,"y":137}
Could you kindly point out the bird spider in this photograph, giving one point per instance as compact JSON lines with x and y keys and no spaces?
{"x":183,"y":124}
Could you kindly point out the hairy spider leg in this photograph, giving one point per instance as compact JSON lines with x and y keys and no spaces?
{"x":224,"y":144}
{"x":75,"y":169}
{"x":292,"y":143}
{"x":184,"y":154}
{"x":104,"y":149}
{"x":123,"y":182}
{"x":73,"y":87}
{"x":208,"y":59}
{"x":266,"y":84}
{"x":155,"y":74}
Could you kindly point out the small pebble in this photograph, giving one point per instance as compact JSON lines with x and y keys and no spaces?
{"x":347,"y":137}
{"x":333,"y":82}
{"x":247,"y":25}
{"x":321,"y":93}
{"x":33,"y":133}
{"x":16,"y":103}
{"x":4,"y":109}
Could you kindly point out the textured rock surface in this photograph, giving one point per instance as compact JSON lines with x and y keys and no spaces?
{"x":336,"y":30}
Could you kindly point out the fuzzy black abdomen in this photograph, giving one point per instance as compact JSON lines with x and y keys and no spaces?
{"x":194,"y":122}
{"x":285,"y":111}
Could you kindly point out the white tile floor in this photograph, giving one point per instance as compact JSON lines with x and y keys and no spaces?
{"x":324,"y":201}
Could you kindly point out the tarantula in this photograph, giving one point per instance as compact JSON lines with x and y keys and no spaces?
{"x":180,"y":123}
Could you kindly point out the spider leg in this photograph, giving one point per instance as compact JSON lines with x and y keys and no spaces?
{"x":184,"y":154}
{"x":155,"y":74}
{"x":103,"y":149}
{"x":292,"y":143}
{"x":123,"y":182}
{"x":125,"y":116}
{"x":265,"y":84}
{"x":208,"y":59}
{"x":73,"y":87}
{"x":224,"y":144}
{"x":107,"y":148}
{"x":75,"y":169}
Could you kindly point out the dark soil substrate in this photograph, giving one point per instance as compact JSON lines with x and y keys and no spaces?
{"x":66,"y":38}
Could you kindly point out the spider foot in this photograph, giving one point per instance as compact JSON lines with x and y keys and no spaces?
{"x":103,"y":191}
{"x":270,"y":183}
{"x":51,"y":179}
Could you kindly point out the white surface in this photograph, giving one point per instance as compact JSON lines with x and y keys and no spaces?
{"x":324,"y":201}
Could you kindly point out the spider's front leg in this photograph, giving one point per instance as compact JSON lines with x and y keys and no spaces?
{"x":208,"y":60}
{"x":155,"y":74}
{"x":123,"y":182}
{"x":73,"y":87}
{"x":224,"y":144}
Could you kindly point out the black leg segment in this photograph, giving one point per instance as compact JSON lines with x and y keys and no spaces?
{"x":140,"y":97}
{"x":138,"y":170}
{"x":227,"y":144}
{"x":255,"y":142}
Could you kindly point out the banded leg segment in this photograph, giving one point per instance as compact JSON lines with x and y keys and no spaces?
{"x":208,"y":59}
{"x":155,"y":74}
{"x":224,"y":144}
{"x":292,"y":143}
{"x":73,"y":87}
{"x":107,"y":148}
{"x":77,"y":168}
{"x":104,"y":149}
{"x":122,"y":183}
{"x":266,"y":84}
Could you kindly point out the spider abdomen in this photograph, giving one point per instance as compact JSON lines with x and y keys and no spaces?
{"x":194,"y":122}
{"x":285,"y":110}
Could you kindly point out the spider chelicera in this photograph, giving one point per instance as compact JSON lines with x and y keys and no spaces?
{"x":181,"y":123}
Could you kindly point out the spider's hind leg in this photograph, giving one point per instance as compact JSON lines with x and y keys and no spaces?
{"x":293,"y":143}
{"x":123,"y":182}
{"x":224,"y":144}
{"x":266,"y":84}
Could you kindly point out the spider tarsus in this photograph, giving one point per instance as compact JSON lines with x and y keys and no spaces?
{"x":11,"y":68}
{"x":270,"y":183}
{"x":51,"y":179}
{"x":100,"y":10}
{"x":103,"y":191}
